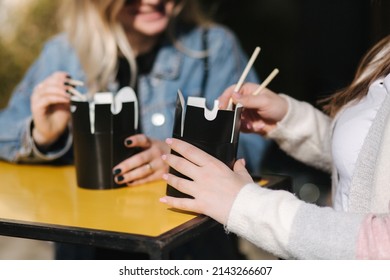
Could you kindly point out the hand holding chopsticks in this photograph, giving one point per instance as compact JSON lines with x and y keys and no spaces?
{"x":256,"y":90}
{"x":240,"y":82}
{"x":50,"y":107}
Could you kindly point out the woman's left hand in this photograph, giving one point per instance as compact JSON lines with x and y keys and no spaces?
{"x":214,"y":185}
{"x":145,"y":166}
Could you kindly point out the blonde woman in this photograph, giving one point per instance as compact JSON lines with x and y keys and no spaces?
{"x":154,"y":46}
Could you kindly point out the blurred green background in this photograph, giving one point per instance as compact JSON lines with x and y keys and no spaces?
{"x":24,"y":28}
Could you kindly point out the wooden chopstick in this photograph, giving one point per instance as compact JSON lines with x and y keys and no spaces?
{"x":265,"y":83}
{"x":76,"y":93}
{"x":244,"y":74}
{"x":75,"y":82}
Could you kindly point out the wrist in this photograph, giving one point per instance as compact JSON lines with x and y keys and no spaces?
{"x":40,"y":140}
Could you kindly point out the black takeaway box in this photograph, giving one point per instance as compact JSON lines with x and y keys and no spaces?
{"x":214,"y":131}
{"x":100,"y":127}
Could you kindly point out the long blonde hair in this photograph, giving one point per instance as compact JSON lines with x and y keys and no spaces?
{"x":98,"y":37}
{"x":375,"y":64}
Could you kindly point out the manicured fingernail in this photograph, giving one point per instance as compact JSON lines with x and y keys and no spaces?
{"x":69,"y":85}
{"x":120,"y":178}
{"x":168,"y":141}
{"x":117,"y":171}
{"x":128,"y":142}
{"x":165,"y":176}
{"x":68,"y":76}
{"x":164,"y":157}
{"x":163,"y":200}
{"x":243,"y":162}
{"x":68,"y":92}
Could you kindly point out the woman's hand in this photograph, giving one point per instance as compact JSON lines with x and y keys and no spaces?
{"x":145,"y":166}
{"x":261,"y":112}
{"x":214,"y":186}
{"x":50,"y":109}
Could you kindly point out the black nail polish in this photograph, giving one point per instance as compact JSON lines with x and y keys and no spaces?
{"x":69,"y":85}
{"x":68,"y":76}
{"x":120,"y":178}
{"x":68,"y":92}
{"x":129,"y":142}
{"x":117,"y":171}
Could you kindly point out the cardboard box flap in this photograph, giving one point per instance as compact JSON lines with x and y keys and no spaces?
{"x":105,"y":107}
{"x":194,"y":121}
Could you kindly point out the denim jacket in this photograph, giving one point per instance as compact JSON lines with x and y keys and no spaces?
{"x":157,"y":91}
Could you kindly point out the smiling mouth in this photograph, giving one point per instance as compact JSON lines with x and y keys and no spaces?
{"x":156,"y":9}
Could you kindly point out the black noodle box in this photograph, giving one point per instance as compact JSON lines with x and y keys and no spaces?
{"x":99,"y":130}
{"x":214,"y":131}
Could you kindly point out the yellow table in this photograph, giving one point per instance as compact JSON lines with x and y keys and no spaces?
{"x":44,"y":202}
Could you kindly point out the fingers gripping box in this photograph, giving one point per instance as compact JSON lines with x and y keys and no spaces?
{"x":100,"y":127}
{"x":214,"y":131}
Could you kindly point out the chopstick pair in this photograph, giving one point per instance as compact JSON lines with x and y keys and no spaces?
{"x":240,"y":82}
{"x":72,"y":91}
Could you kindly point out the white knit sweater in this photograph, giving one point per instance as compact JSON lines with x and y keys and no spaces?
{"x":290,"y":228}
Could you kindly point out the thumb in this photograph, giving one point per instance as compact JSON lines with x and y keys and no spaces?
{"x":239,"y":166}
{"x":240,"y":170}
